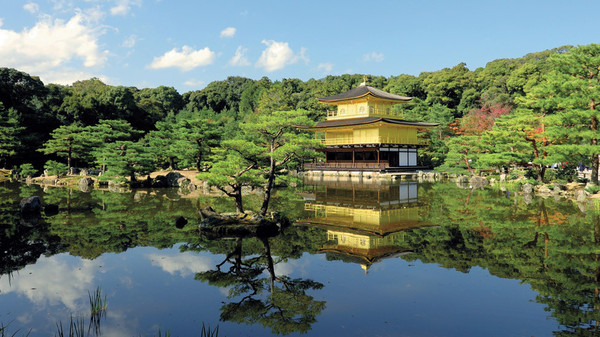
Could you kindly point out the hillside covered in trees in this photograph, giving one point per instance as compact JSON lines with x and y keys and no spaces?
{"x":538,"y":109}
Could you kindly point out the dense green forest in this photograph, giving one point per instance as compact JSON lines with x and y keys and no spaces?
{"x":538,"y":109}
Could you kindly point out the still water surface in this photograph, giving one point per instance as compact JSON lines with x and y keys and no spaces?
{"x":362,"y":259}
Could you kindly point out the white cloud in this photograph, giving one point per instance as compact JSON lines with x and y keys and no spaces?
{"x":239,"y":59}
{"x":32,"y":7}
{"x":228,"y":32}
{"x":194,"y":83}
{"x":373,"y":56}
{"x":303,"y":55}
{"x":186,"y":59}
{"x":122,"y":7}
{"x":276,"y":56}
{"x":184,"y":264}
{"x":130,"y":41}
{"x":325,"y":68}
{"x":66,"y":76}
{"x":51,"y":45}
{"x":54,"y":280}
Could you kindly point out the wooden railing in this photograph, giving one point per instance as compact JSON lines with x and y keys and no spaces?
{"x":334,"y":114}
{"x":338,"y":165}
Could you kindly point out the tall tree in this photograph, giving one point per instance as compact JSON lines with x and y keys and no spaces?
{"x":68,"y":141}
{"x":573,"y":89}
{"x":10,"y":132}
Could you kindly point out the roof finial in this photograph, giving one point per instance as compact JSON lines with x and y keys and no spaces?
{"x":364,"y":81}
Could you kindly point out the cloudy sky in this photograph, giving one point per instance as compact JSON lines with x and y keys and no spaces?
{"x":187,"y":44}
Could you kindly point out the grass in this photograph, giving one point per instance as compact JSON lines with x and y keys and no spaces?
{"x":98,"y":306}
{"x":207,"y":332}
{"x":98,"y":303}
{"x":76,"y":328}
{"x":5,"y":333}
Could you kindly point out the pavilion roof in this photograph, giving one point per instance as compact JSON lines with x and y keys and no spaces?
{"x":362,"y":91}
{"x":368,"y":120}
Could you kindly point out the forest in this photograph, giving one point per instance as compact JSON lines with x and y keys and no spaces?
{"x":536,"y":110}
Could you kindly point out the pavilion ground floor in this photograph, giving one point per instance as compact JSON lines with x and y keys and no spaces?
{"x":392,"y":158}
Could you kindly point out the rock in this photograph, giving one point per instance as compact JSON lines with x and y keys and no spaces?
{"x":543,"y":190}
{"x":527,"y":198}
{"x":462,"y":179}
{"x":527,"y":188}
{"x":560,"y":187}
{"x":85,"y":184}
{"x":51,"y":209}
{"x":180,"y":222}
{"x":502,"y":177}
{"x":581,"y":196}
{"x":239,"y":225}
{"x":173,"y":179}
{"x":84,"y":172}
{"x":207,"y":212}
{"x":160,"y":182}
{"x":478,"y":182}
{"x":31,"y":205}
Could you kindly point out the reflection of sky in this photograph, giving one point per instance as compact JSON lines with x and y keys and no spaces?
{"x":52,"y":281}
{"x":184,"y":264}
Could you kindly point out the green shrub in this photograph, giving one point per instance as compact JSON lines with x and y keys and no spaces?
{"x":27,"y":170}
{"x":550,"y":175}
{"x":530,"y":173}
{"x":566,"y":171}
{"x":592,"y":189}
{"x":512,"y":175}
{"x":56,"y":168}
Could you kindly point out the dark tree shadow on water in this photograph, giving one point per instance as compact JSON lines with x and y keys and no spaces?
{"x":260,"y":296}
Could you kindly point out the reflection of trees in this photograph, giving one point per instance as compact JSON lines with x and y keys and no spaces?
{"x":550,"y":245}
{"x":278,"y":302}
{"x":22,"y":243}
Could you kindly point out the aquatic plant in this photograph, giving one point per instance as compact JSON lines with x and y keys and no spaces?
{"x":98,"y":304}
{"x":5,"y":333}
{"x":97,"y":310}
{"x":207,"y":332}
{"x":76,"y":328}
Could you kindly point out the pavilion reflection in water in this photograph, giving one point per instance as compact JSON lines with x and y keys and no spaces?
{"x":365,"y":220}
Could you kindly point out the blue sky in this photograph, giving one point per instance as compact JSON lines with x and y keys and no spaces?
{"x":188,"y":44}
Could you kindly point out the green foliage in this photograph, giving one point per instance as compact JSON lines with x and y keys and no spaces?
{"x":126,"y":159}
{"x":10,"y":134}
{"x":592,"y":189}
{"x":56,"y":168}
{"x":68,"y":141}
{"x":566,"y":172}
{"x":27,"y":170}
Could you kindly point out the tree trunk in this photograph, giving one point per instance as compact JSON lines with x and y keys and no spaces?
{"x":595,"y":161}
{"x":268,"y":188}
{"x":237,"y":196}
{"x":541,"y":171}
{"x":469,"y":166}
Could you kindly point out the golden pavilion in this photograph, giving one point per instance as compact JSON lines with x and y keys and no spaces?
{"x":363,"y":133}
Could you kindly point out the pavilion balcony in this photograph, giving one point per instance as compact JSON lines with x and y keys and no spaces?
{"x":372,"y":140}
{"x":360,"y":166}
{"x":373,"y":112}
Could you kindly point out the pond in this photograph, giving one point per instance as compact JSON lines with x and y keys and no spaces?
{"x":363,"y":258}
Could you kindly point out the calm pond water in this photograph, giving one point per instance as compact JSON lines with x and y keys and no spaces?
{"x":362,"y":259}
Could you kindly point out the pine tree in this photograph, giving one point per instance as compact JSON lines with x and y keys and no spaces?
{"x":10,"y":132}
{"x":68,"y":141}
{"x":572,"y":93}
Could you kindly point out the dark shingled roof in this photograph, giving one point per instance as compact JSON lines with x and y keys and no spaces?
{"x":368,"y":120}
{"x":362,"y":91}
